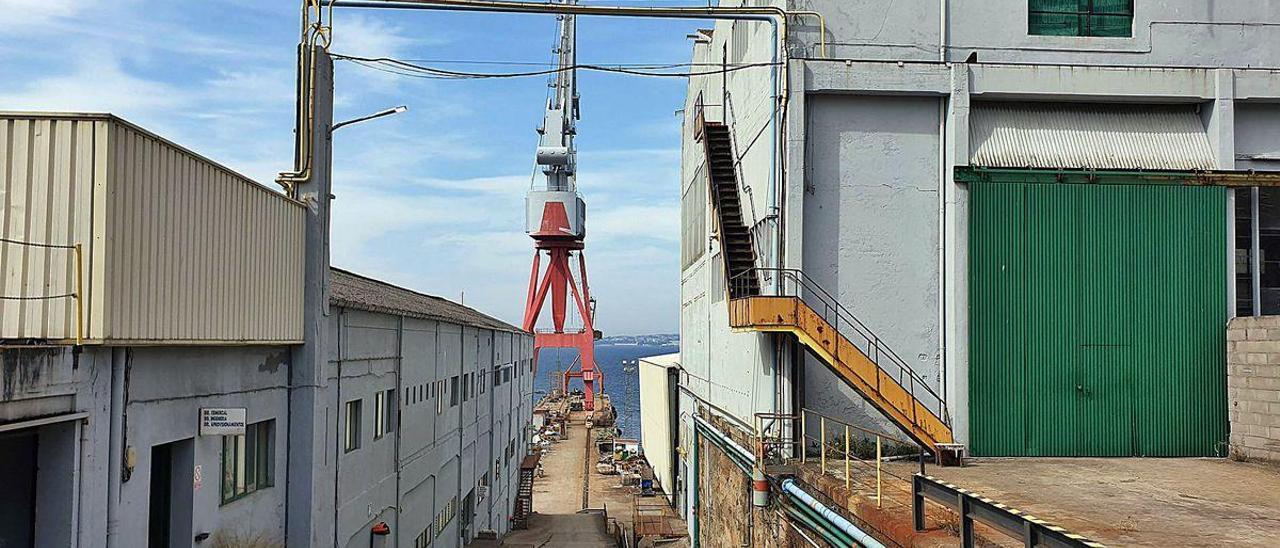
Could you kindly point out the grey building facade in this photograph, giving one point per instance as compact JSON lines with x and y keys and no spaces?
{"x":115,"y":441}
{"x":861,"y":157}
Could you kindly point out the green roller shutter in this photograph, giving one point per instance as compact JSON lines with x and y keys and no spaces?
{"x":1097,"y":320}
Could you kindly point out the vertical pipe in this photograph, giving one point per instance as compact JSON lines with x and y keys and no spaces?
{"x":693,"y":490}
{"x":116,"y":444}
{"x":804,"y":437}
{"x":1255,"y":253}
{"x":79,"y":295}
{"x":822,"y":445}
{"x":879,"y":457}
{"x":846,"y":457}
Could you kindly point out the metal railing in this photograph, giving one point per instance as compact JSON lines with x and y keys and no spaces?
{"x":795,"y":283}
{"x":783,"y":440}
{"x":835,"y":439}
{"x":77,"y":295}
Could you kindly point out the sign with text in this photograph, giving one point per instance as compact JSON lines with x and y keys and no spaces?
{"x":222,"y":421}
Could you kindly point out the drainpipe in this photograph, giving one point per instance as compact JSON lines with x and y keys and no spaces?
{"x":693,"y":490}
{"x":843,"y":525}
{"x":116,"y":445}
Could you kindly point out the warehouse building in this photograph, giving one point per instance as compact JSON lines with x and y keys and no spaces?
{"x":1048,"y":211}
{"x":149,"y":352}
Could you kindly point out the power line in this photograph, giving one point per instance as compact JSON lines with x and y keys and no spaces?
{"x":406,"y":68}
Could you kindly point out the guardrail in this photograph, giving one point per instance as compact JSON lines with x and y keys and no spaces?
{"x":795,"y":283}
{"x":971,"y":506}
{"x":782,"y":441}
{"x":78,"y":255}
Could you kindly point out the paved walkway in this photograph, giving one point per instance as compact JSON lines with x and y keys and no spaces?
{"x":1134,"y":501}
{"x":557,"y":500}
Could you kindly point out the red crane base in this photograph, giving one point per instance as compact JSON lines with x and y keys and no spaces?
{"x":558,"y":280}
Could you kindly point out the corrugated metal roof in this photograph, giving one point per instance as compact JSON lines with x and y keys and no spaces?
{"x":1088,"y":136}
{"x":351,"y":290}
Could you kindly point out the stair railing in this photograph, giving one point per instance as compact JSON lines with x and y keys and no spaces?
{"x":795,"y":283}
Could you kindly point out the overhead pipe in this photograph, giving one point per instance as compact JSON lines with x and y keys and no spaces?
{"x":858,"y":535}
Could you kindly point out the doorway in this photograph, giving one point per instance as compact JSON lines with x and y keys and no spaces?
{"x":18,"y":455}
{"x":172,"y":491}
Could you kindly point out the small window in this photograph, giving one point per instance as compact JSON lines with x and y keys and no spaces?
{"x":466,"y":386}
{"x":1108,"y":18}
{"x":248,"y":460}
{"x":453,"y":391}
{"x":506,"y":374}
{"x":351,"y":437}
{"x":423,"y":539}
{"x":384,"y":413}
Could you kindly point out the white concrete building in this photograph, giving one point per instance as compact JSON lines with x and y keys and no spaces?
{"x":1045,"y":212}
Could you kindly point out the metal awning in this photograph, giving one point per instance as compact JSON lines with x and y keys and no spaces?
{"x":1088,"y":136}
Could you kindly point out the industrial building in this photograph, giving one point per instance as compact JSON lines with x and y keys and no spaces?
{"x":154,"y":383}
{"x":1004,"y":228}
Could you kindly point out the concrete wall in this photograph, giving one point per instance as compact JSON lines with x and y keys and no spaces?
{"x":443,"y":449}
{"x":871,"y":226}
{"x":1185,"y":33}
{"x":1253,"y":387}
{"x":428,"y":459}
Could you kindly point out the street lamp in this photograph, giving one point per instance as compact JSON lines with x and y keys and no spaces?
{"x":379,"y":114}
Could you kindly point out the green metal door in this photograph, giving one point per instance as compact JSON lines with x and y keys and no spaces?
{"x":1097,"y":318}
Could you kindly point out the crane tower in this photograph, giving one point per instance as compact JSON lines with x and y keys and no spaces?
{"x":556,"y":220}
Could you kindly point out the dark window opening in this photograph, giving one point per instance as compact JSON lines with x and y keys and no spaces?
{"x":1103,"y":18}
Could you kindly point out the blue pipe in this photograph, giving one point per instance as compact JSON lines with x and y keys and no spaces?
{"x":858,"y":535}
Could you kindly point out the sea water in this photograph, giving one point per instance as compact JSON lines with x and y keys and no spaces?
{"x":622,"y":385}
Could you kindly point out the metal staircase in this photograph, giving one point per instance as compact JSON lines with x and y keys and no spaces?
{"x":804,"y":309}
{"x":735,"y":239}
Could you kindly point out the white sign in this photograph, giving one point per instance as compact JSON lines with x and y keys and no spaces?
{"x":197,"y":478}
{"x":221,"y":421}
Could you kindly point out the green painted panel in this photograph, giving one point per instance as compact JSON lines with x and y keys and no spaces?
{"x":1097,"y":320}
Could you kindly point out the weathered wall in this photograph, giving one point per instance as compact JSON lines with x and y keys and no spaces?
{"x":1171,"y":32}
{"x":1253,"y":387}
{"x":445,"y":448}
{"x":871,"y":229}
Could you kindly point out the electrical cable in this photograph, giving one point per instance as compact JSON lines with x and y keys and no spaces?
{"x":405,"y":68}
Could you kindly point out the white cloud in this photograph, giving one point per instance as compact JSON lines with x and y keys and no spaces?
{"x":99,"y":83}
{"x":365,"y":36}
{"x":28,"y":16}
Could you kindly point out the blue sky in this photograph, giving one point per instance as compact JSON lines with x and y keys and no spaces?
{"x":431,"y":199}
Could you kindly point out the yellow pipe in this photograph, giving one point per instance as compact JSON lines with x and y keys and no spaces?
{"x":79,"y":296}
{"x":846,"y":457}
{"x":804,"y":437}
{"x":822,"y":447}
{"x":879,"y":497}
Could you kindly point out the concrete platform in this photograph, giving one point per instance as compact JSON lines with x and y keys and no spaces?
{"x":1132,"y":501}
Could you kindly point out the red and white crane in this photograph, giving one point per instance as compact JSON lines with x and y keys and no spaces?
{"x":556,"y":220}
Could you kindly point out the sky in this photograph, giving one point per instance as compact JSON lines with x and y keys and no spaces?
{"x":431,"y":199}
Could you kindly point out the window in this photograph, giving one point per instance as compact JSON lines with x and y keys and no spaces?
{"x":506,"y":374}
{"x":453,"y":391}
{"x":497,"y":376}
{"x":384,"y":413}
{"x":446,"y":515}
{"x":351,"y":436}
{"x":466,"y":386}
{"x":440,"y":396}
{"x":1111,"y":18}
{"x":247,"y":460}
{"x":423,"y":539}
